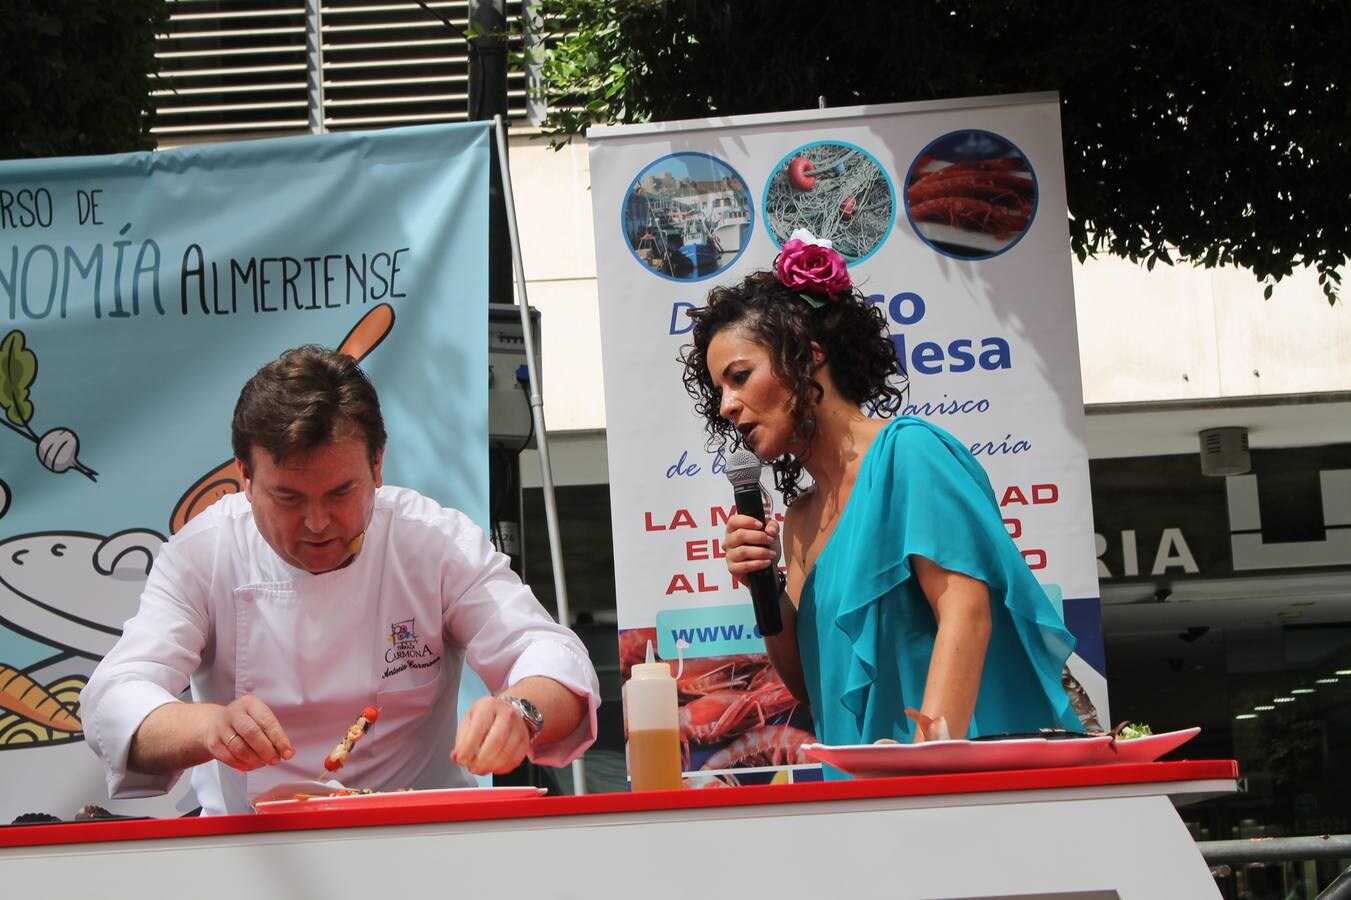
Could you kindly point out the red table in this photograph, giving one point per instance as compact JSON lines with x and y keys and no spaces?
{"x":1074,"y":832}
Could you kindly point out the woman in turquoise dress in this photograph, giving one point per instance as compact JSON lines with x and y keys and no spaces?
{"x":903,"y":589}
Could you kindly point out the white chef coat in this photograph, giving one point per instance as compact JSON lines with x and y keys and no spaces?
{"x":427,"y":592}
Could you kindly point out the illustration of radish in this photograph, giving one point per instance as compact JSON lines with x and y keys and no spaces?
{"x":58,"y":448}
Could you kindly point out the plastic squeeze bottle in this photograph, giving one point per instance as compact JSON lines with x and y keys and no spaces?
{"x":654,"y":729}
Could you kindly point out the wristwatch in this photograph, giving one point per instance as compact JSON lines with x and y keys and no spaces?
{"x":529,"y":713}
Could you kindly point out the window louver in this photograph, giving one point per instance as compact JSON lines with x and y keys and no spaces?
{"x":231,"y":68}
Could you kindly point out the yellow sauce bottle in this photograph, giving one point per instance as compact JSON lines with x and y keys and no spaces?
{"x":654,"y":727}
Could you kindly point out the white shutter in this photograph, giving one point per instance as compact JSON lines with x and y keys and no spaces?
{"x":231,"y":68}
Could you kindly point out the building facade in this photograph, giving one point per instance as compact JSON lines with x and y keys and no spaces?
{"x":1226,"y":599}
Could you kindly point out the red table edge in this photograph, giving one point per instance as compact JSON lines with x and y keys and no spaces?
{"x":594,"y":804}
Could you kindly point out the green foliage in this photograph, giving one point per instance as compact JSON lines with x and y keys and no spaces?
{"x":1207,"y":132}
{"x":75,"y":76}
{"x":18,"y":369}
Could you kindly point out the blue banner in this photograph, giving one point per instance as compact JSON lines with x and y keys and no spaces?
{"x":139,"y":292}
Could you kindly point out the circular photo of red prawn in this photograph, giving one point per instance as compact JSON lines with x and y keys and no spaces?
{"x":687,"y":216}
{"x":971,"y":194}
{"x":836,"y":191}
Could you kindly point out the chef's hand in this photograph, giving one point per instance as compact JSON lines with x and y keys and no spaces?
{"x":246,"y":735}
{"x":492,"y":739}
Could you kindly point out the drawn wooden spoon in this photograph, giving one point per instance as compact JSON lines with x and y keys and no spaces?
{"x":364,"y":337}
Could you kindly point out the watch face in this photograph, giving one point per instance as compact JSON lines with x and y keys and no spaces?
{"x":530,"y":714}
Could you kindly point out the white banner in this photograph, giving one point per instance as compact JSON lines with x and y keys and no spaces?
{"x":973,"y":275}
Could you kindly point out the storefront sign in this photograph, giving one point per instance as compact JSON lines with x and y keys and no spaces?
{"x":1159,"y":517}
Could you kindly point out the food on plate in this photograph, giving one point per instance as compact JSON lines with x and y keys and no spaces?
{"x":345,"y":792}
{"x":930,"y":729}
{"x":936,"y":729}
{"x":1048,"y":734}
{"x":338,"y":756}
{"x":1125,"y":731}
{"x":994,"y":196}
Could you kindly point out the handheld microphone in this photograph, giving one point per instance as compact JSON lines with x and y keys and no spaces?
{"x":743,"y":470}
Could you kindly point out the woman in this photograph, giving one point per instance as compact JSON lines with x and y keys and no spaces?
{"x":903,"y":588}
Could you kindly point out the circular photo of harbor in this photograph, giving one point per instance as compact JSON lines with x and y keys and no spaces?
{"x":836,"y":191}
{"x":687,"y":216}
{"x":971,"y":194}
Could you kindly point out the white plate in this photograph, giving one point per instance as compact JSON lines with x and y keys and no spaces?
{"x":398,"y":799}
{"x":287,"y":790}
{"x":942,"y":757}
{"x":978,"y":242}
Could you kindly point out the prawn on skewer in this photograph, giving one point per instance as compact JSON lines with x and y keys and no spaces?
{"x":338,"y":756}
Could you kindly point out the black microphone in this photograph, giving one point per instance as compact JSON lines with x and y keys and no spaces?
{"x":743,"y":470}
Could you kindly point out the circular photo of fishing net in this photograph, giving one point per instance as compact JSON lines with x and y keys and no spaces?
{"x":687,"y":216}
{"x":835,"y":191}
{"x":971,"y":194}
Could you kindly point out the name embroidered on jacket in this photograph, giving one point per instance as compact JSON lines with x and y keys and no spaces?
{"x":406,"y":648}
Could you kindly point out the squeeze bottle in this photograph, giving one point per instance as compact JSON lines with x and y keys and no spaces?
{"x":654,"y":729}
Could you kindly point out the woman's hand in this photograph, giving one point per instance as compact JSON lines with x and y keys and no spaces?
{"x":750,"y":546}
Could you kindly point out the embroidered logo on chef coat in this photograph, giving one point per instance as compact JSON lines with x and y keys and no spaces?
{"x":406,"y":650}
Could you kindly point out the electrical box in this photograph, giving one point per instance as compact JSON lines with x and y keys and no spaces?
{"x":509,"y":415}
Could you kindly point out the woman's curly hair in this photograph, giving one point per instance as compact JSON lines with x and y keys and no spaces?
{"x":851,"y":332}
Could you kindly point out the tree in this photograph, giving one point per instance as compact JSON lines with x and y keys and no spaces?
{"x":75,"y":76}
{"x":1210,"y":132}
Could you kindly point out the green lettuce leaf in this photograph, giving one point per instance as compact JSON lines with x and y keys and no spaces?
{"x":18,"y":368}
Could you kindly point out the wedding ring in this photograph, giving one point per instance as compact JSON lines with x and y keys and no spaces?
{"x":232,"y":738}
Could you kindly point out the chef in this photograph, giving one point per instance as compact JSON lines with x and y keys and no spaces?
{"x":315,"y":593}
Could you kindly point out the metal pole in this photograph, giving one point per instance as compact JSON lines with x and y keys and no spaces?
{"x":536,"y":106}
{"x":1340,"y":889}
{"x":536,"y":408}
{"x":314,"y":65}
{"x":1286,"y":849}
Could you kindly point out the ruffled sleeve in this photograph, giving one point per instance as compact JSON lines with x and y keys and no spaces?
{"x":923,"y":494}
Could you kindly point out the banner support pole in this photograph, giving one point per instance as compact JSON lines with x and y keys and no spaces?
{"x":536,"y":407}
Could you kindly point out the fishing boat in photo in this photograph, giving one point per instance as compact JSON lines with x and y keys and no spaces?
{"x":687,"y":228}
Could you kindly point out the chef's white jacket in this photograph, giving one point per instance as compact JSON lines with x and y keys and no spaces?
{"x":223,"y":613}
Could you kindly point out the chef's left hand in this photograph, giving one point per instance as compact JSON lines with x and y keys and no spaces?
{"x":491,"y":739}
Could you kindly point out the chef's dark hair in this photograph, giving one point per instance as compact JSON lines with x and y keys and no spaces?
{"x":306,"y":398}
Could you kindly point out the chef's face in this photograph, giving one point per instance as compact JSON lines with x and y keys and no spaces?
{"x":753,"y":398}
{"x":312,"y":509}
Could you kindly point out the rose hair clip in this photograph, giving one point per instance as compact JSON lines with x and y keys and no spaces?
{"x":812,"y":268}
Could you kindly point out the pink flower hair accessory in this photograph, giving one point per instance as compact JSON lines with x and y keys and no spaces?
{"x":812,"y":267}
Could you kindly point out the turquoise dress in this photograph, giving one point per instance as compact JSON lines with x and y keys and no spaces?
{"x":865,"y":629}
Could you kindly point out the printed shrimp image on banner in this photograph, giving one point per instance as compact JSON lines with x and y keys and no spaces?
{"x":739,"y":724}
{"x":971,"y":194}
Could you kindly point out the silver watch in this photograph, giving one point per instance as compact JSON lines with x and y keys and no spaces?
{"x":529,"y":713}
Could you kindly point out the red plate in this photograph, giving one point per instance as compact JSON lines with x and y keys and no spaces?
{"x":401,"y":799}
{"x":941,"y":757}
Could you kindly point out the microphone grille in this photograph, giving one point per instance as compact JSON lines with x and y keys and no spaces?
{"x":743,"y":467}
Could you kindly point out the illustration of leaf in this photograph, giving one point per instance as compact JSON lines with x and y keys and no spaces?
{"x":18,"y":368}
